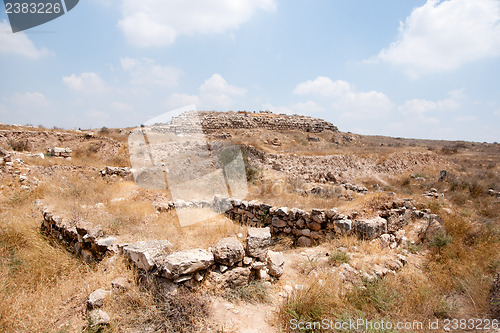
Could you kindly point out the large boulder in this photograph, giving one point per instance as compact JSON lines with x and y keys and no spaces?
{"x":371,"y":229}
{"x":343,"y":226}
{"x":228,"y":251}
{"x":186,"y":262}
{"x":275,"y":263}
{"x":145,"y":254}
{"x":258,"y":242}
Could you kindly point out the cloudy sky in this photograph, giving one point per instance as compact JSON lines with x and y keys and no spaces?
{"x":413,"y":68}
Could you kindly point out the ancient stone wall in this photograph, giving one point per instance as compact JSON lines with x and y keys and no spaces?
{"x":309,"y":227}
{"x":231,"y":262}
{"x":212,"y":121}
{"x":84,"y":241}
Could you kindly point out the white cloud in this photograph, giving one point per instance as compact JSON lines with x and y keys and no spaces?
{"x":18,"y":43}
{"x":215,"y":92}
{"x":364,"y":105}
{"x":307,"y":107}
{"x":160,"y":22}
{"x":421,"y":106}
{"x":466,"y":119}
{"x":120,"y":106}
{"x":30,"y":100}
{"x":426,"y":111}
{"x":96,"y":114}
{"x":344,"y":97}
{"x":179,"y":100}
{"x":97,"y":118}
{"x":444,"y":35}
{"x":145,"y":72}
{"x":323,"y":86}
{"x":87,"y":83}
{"x":277,"y":109}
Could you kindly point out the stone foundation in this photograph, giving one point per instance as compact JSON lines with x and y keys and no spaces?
{"x":231,"y":263}
{"x":306,"y":228}
{"x":215,"y":122}
{"x":83,"y":240}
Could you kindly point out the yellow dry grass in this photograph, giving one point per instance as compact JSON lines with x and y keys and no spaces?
{"x":43,"y":288}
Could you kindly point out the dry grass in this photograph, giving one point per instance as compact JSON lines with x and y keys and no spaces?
{"x":137,"y":309}
{"x":312,"y":303}
{"x":205,"y":234}
{"x":124,"y":210}
{"x":452,"y":281}
{"x":43,"y":288}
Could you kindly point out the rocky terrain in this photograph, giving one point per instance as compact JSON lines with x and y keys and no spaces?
{"x":310,"y":224}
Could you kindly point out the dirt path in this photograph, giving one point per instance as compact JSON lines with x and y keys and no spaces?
{"x":242,"y":317}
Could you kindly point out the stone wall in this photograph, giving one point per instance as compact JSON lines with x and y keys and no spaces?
{"x":212,"y":121}
{"x":231,"y":262}
{"x":309,"y":227}
{"x":83,"y":240}
{"x":59,"y":152}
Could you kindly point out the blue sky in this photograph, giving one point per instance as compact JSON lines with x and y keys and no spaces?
{"x":420,"y":69}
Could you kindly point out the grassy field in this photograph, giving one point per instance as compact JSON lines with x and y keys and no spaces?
{"x":44,"y":288}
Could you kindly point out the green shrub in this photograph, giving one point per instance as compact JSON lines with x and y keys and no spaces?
{"x":254,"y":292}
{"x":374,"y":293}
{"x":339,"y":257}
{"x":441,"y":240}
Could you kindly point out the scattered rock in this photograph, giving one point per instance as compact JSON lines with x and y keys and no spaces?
{"x":432,"y":229}
{"x":120,"y":283}
{"x":228,"y":251}
{"x":258,"y":242}
{"x":145,"y":253}
{"x":186,"y":262}
{"x":304,"y":241}
{"x":370,"y":229}
{"x":275,"y":263}
{"x":99,"y":318}
{"x":235,"y":277}
{"x":343,"y":227}
{"x":442,"y":175}
{"x":385,"y":240}
{"x":96,"y":299}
